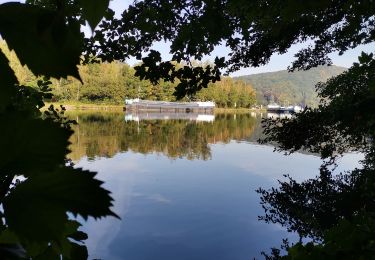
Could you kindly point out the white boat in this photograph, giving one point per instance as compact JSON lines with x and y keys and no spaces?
{"x":273,"y":107}
{"x":279,"y":115}
{"x":282,"y":109}
{"x":297,"y":109}
{"x":166,"y":106}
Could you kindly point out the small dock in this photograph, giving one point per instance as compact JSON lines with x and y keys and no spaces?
{"x":138,"y":105}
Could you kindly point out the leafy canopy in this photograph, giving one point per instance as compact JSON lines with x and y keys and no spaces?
{"x":252,"y":31}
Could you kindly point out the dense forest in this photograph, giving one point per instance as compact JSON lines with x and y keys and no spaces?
{"x":111,"y":83}
{"x":290,"y":88}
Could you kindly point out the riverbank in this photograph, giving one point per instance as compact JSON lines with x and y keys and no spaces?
{"x":221,"y":110}
{"x":84,"y":106}
{"x":114,"y":108}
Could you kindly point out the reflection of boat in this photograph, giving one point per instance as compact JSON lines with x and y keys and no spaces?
{"x":279,"y":115}
{"x":281,"y":109}
{"x":169,"y":116}
{"x":165,"y":106}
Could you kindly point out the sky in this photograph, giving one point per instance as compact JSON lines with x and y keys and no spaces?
{"x":277,"y":62}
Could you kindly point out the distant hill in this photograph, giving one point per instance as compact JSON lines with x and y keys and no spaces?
{"x":284,"y":87}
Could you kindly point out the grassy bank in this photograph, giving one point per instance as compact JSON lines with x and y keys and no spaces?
{"x":85,"y":106}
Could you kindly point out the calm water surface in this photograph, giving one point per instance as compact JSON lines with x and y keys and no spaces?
{"x":184,"y":189}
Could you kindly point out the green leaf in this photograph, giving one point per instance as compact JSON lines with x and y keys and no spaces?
{"x":8,"y":237}
{"x":73,"y":232}
{"x":35,"y":248}
{"x":10,"y":247}
{"x":78,"y":252}
{"x":12,"y":251}
{"x":7,"y":82}
{"x":79,"y":236}
{"x":365,"y":58}
{"x":93,"y":11}
{"x":33,"y":145}
{"x":49,"y":254}
{"x":64,"y":246}
{"x":36,"y":209}
{"x":44,"y":40}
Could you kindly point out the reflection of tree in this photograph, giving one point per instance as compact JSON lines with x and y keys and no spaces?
{"x":107,"y":134}
{"x":336,"y":212}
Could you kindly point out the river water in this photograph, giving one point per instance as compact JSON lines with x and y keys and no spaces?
{"x":184,"y":188}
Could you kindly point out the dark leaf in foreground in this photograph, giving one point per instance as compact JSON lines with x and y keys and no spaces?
{"x":44,"y":145}
{"x":36,"y":209}
{"x":93,"y":11}
{"x":45,"y":40}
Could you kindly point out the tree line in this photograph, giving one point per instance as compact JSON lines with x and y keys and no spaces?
{"x":111,"y":83}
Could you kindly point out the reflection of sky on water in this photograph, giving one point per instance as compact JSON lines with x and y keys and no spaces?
{"x":181,"y":209}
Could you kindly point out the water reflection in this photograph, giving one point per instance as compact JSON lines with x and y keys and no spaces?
{"x":188,"y":207}
{"x":104,"y":135}
{"x":168,"y":116}
{"x":279,"y":115}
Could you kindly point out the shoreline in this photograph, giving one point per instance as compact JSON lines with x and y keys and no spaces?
{"x":83,"y":106}
{"x":120,"y":108}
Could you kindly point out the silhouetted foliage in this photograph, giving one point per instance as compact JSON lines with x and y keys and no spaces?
{"x":252,"y":30}
{"x":37,"y":187}
{"x":336,"y":211}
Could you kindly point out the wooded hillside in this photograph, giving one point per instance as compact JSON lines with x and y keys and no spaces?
{"x":293,"y":88}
